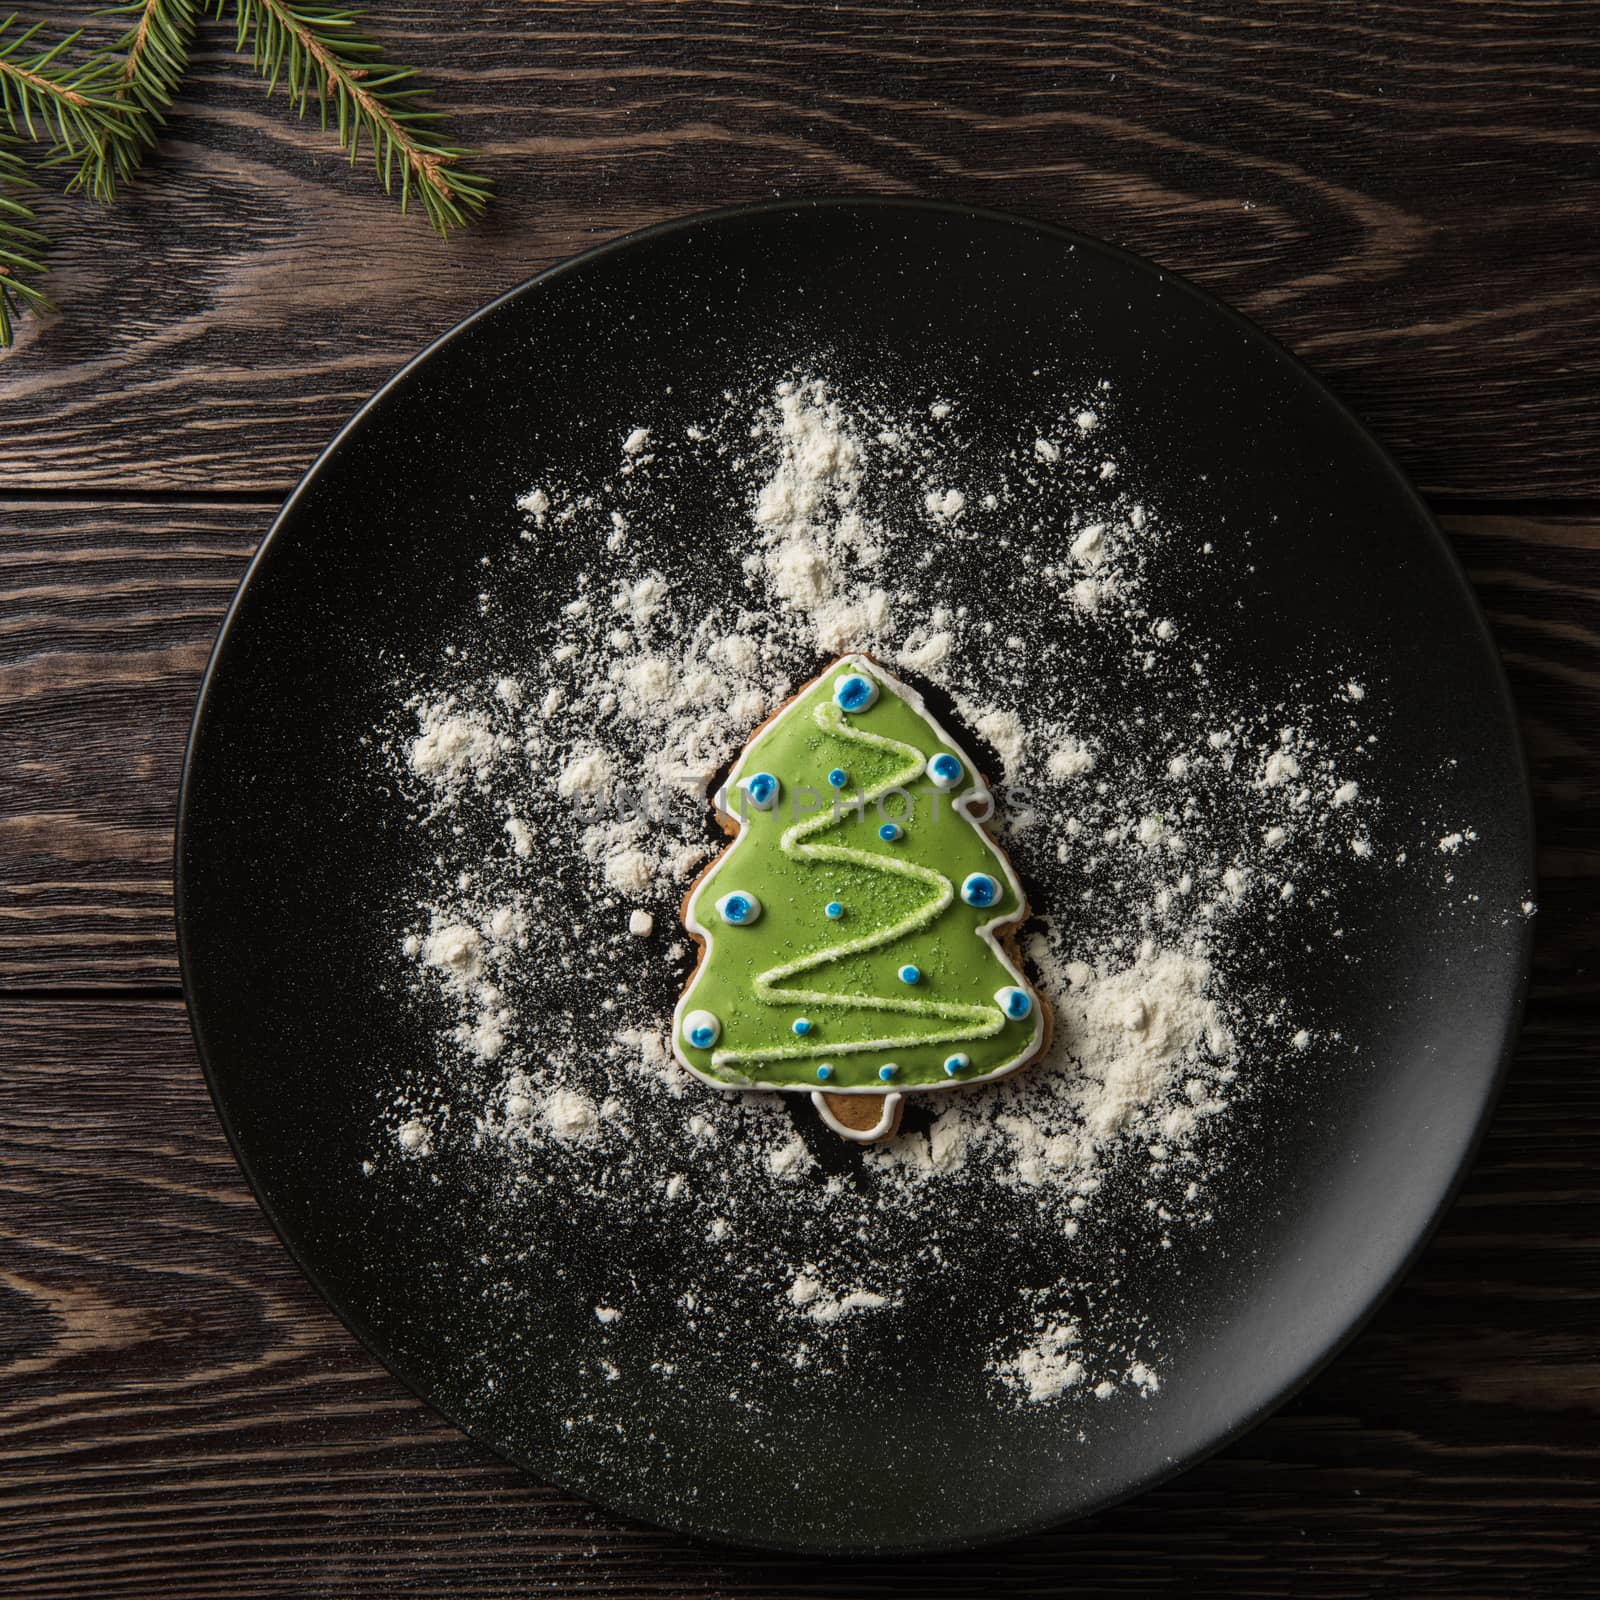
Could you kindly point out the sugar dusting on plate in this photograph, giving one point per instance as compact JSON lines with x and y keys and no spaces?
{"x":1170,"y":817}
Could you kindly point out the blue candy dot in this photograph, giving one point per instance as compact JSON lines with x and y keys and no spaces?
{"x":891,"y":831}
{"x":854,"y":692}
{"x":824,"y":1072}
{"x":1016,"y":1003}
{"x":887,"y":1074}
{"x":762,"y":789}
{"x":833,"y":909}
{"x":956,"y":1063}
{"x":910,"y":974}
{"x":838,"y":777}
{"x":945,"y":770}
{"x":739,"y":908}
{"x":702,"y":1029}
{"x":979,"y":889}
{"x":802,"y":1025}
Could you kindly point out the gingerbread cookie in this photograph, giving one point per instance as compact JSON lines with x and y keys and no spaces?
{"x":854,"y":936}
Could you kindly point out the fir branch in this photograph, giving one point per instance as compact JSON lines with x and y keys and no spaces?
{"x":154,"y":57}
{"x":21,"y":244}
{"x":68,"y":105}
{"x":319,"y":51}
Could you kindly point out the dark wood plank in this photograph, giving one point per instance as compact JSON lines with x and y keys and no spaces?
{"x":1401,"y":192}
{"x":107,"y":615}
{"x":180,"y":1416}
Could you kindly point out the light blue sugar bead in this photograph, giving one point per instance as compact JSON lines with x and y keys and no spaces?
{"x":762,"y":790}
{"x":838,"y":777}
{"x":944,"y":770}
{"x":888,"y":1073}
{"x":959,"y":1062}
{"x":833,"y":909}
{"x":910,"y":974}
{"x":853,"y":692}
{"x":802,"y":1026}
{"x":702,"y":1029}
{"x":825,"y":1071}
{"x":739,"y":909}
{"x":891,"y":831}
{"x":979,"y":889}
{"x":1016,"y":1003}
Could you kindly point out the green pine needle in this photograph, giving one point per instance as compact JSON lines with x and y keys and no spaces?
{"x":319,"y":52}
{"x":103,"y":111}
{"x":154,"y":56}
{"x":68,"y":105}
{"x":21,"y":244}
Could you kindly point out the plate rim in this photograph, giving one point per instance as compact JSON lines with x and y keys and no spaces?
{"x":1521,"y":801}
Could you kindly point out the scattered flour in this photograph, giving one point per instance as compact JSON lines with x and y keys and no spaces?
{"x":450,"y":747}
{"x":1045,"y":1368}
{"x":1069,"y":760}
{"x":571,"y":1116}
{"x":413,"y":1138}
{"x":808,"y":1296}
{"x":1174,"y":824}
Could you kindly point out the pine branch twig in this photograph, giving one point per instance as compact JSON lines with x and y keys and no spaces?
{"x":154,"y":56}
{"x":320,"y":52}
{"x":21,"y":244}
{"x":103,"y":111}
{"x":67,"y":104}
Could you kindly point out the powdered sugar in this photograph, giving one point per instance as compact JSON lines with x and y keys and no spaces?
{"x":808,"y":1296}
{"x":451,"y":747}
{"x":1170,"y":819}
{"x":1047,"y":1366}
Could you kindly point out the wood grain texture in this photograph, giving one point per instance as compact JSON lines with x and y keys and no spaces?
{"x":107,"y":618}
{"x":1402,"y":192}
{"x":180,"y":1416}
{"x":108,"y":613}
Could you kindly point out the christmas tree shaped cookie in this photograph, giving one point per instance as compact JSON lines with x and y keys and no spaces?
{"x":852,"y":937}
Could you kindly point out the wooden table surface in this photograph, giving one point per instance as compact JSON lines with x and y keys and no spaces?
{"x":1405,"y":194}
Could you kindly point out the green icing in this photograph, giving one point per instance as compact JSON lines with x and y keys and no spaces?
{"x":902,"y":908}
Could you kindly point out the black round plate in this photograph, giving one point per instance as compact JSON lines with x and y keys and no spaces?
{"x":282,"y":854}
